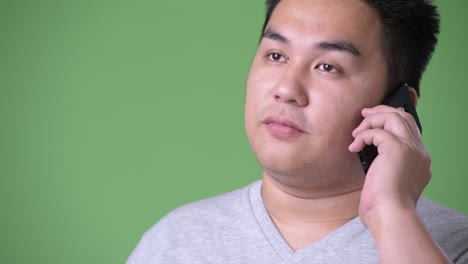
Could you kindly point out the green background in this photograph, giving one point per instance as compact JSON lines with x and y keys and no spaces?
{"x":115,"y":112}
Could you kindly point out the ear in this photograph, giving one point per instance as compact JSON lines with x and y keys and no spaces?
{"x":414,"y":95}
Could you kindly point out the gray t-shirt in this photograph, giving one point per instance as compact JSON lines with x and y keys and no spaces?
{"x":236,"y":228}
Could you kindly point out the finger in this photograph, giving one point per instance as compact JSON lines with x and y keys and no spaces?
{"x":391,"y":121}
{"x":411,"y":123}
{"x":395,"y":124}
{"x":385,"y":109}
{"x":378,"y":137}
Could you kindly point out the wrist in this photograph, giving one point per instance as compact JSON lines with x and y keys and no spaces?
{"x":390,"y":217}
{"x":401,"y":236}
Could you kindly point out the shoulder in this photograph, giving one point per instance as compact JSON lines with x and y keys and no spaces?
{"x":208,"y":212}
{"x":448,"y":227}
{"x":196,"y":227}
{"x":434,"y":214}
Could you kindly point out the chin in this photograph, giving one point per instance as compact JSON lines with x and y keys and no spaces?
{"x":313,"y":174}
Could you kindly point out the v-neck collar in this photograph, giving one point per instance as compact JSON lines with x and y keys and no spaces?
{"x":276,"y":240}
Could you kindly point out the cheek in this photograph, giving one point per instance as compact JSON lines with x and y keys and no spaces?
{"x":339,"y":120}
{"x":257,"y":93}
{"x":252,"y":99}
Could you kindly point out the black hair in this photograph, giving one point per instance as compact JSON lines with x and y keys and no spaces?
{"x":409,"y":37}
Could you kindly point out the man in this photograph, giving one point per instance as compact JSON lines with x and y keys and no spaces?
{"x":313,"y":99}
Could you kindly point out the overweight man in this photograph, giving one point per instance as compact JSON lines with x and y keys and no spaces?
{"x":313,"y":101}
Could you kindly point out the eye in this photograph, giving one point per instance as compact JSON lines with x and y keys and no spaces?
{"x":276,"y":57}
{"x":327,"y":68}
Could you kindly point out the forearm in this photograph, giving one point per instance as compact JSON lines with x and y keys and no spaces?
{"x":401,"y":237}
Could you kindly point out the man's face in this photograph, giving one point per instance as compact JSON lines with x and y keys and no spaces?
{"x":318,"y":64}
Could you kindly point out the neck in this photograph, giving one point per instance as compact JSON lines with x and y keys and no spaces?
{"x":314,"y":207}
{"x":303,"y":219}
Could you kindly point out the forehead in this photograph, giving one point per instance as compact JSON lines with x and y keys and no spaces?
{"x":351,"y":20}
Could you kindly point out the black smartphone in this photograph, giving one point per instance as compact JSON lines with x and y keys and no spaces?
{"x":398,"y":98}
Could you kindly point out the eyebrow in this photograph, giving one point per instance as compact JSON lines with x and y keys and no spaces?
{"x":337,"y":45}
{"x":274,"y":35}
{"x":340,"y":46}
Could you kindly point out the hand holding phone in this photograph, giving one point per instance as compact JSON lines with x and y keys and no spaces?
{"x":398,"y":98}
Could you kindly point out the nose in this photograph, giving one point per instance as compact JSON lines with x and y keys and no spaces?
{"x":291,"y":90}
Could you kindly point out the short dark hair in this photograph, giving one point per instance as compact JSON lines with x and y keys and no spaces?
{"x":409,"y":37}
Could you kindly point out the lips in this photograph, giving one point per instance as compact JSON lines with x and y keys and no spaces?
{"x":283,"y":127}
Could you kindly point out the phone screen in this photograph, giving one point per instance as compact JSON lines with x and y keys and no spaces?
{"x":398,"y":98}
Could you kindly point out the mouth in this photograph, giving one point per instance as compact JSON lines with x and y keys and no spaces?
{"x":283,"y":127}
